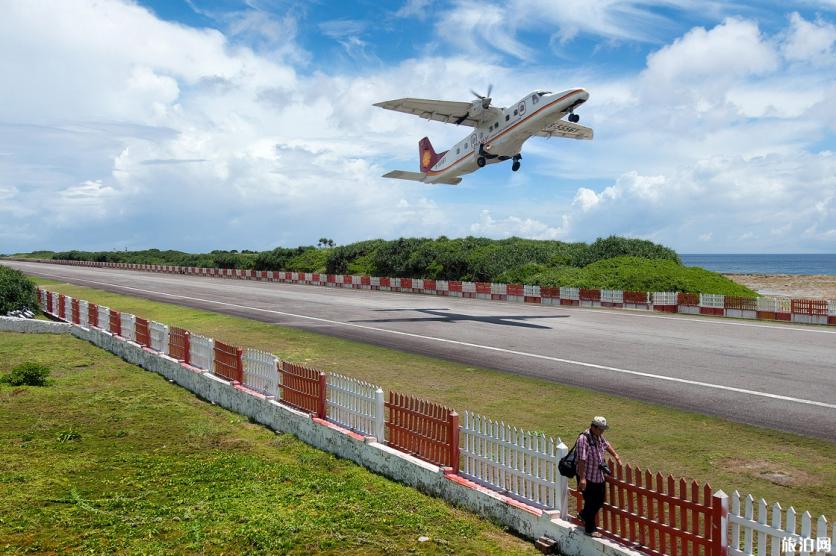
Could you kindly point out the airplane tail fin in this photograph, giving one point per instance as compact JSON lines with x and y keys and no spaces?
{"x":427,"y":155}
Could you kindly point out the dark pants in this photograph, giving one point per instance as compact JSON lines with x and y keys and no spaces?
{"x":593,"y":499}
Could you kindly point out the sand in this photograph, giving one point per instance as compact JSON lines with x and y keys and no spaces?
{"x":803,"y":286}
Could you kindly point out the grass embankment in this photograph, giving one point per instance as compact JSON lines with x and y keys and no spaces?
{"x":113,"y":459}
{"x":782,"y":467}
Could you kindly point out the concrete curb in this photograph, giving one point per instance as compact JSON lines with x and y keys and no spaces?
{"x":32,"y":326}
{"x":367,"y":452}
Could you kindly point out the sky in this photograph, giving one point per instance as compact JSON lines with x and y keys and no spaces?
{"x":248,"y":124}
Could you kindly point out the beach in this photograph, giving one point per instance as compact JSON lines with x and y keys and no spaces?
{"x":790,"y":285}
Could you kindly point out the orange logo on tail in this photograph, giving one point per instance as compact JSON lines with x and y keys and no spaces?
{"x":426,"y":158}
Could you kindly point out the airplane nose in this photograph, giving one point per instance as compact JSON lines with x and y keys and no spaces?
{"x":582,"y":94}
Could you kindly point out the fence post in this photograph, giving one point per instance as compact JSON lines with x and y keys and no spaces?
{"x":321,"y":412}
{"x":562,"y":485}
{"x":239,"y":356}
{"x":379,"y":416}
{"x":719,"y":524}
{"x":187,"y":348}
{"x":454,"y":441}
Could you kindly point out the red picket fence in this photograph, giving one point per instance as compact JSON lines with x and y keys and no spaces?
{"x":816,"y":307}
{"x":178,"y":344}
{"x":49,"y":308}
{"x":40,"y":296}
{"x":689,"y":299}
{"x":115,"y":320}
{"x":75,"y":310}
{"x":650,"y":514}
{"x":302,"y":388}
{"x":636,"y":298}
{"x":143,"y":335}
{"x":93,"y":315}
{"x":229,"y":361}
{"x":62,"y":306}
{"x":590,"y":294}
{"x":424,"y":429}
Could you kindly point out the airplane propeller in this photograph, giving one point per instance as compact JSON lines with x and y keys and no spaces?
{"x":486,"y":99}
{"x":486,"y":103}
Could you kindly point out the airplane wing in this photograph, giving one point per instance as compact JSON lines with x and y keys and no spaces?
{"x":562,"y":128}
{"x":447,"y":111}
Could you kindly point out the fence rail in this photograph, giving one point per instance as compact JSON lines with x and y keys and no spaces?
{"x":355,"y":405}
{"x":229,"y":362}
{"x":516,"y":462}
{"x":202,"y":352}
{"x":752,"y":534}
{"x":650,"y":512}
{"x":261,"y":372}
{"x":424,"y":429}
{"x":143,"y":332}
{"x":158,"y":333}
{"x":128,"y":325}
{"x":115,"y":322}
{"x":303,"y":388}
{"x":178,"y":343}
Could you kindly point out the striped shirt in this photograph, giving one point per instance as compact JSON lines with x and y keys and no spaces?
{"x":592,"y":452}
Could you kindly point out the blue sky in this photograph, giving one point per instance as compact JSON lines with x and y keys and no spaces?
{"x":202,"y":125}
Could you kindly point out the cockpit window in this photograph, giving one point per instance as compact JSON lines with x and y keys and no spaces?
{"x":544,"y":93}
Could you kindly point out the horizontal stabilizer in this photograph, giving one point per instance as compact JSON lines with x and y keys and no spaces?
{"x":418,"y":176}
{"x":404,"y":175}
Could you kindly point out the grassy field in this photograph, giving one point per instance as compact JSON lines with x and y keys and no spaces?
{"x":778,"y":466}
{"x":113,"y":459}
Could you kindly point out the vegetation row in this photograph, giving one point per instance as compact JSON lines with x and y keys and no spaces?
{"x":613,"y":262}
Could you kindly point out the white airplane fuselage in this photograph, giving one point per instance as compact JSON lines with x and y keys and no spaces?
{"x":502,"y":137}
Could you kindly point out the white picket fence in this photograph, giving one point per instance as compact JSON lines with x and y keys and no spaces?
{"x":664,"y":298}
{"x":712,"y":300}
{"x":159,"y":336}
{"x":104,"y":318}
{"x":612,"y":296}
{"x":570,"y":293}
{"x":128,"y":322}
{"x":518,"y":463}
{"x":83,"y":309}
{"x":261,"y":372}
{"x":202,"y":352}
{"x":355,"y":405}
{"x":761,"y":535}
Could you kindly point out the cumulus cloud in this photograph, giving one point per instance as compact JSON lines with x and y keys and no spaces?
{"x":149,"y":133}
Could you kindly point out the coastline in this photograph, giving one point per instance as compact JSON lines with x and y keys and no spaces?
{"x":819,"y":286}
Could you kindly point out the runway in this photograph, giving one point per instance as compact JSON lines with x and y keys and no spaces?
{"x":781,"y":376}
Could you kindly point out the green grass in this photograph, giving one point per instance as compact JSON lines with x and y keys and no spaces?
{"x":781,"y":467}
{"x":113,"y":459}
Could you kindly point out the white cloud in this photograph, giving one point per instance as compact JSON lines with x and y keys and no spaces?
{"x":810,"y":41}
{"x":148,"y":133}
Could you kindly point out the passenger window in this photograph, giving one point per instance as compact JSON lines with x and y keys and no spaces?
{"x":507,"y":117}
{"x":457,"y":151}
{"x":535,"y":99}
{"x":515,"y":112}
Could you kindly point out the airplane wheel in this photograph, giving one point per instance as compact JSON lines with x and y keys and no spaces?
{"x":574,"y":118}
{"x":515,"y":166}
{"x":481,"y":162}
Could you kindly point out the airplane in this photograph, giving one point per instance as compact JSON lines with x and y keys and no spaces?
{"x":498,"y":134}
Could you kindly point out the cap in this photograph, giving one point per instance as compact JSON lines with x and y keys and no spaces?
{"x":600,"y":422}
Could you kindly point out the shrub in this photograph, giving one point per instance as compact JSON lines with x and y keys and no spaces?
{"x":27,"y":374}
{"x":17,"y":291}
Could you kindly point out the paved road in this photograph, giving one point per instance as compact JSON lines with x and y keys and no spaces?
{"x":775,"y":375}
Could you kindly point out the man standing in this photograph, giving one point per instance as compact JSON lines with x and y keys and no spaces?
{"x":591,"y":466}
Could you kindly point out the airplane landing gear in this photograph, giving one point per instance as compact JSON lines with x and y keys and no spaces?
{"x":574,"y":118}
{"x":516,"y":164}
{"x":480,"y":162}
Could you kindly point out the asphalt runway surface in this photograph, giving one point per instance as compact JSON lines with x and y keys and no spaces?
{"x":776,"y":375}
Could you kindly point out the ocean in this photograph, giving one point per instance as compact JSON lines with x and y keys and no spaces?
{"x":764,"y":264}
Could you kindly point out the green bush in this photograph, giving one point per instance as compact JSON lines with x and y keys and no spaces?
{"x":634,"y":274}
{"x":27,"y":374}
{"x":17,"y":291}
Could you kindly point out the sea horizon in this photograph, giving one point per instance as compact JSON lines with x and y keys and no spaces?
{"x":758,"y":263}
